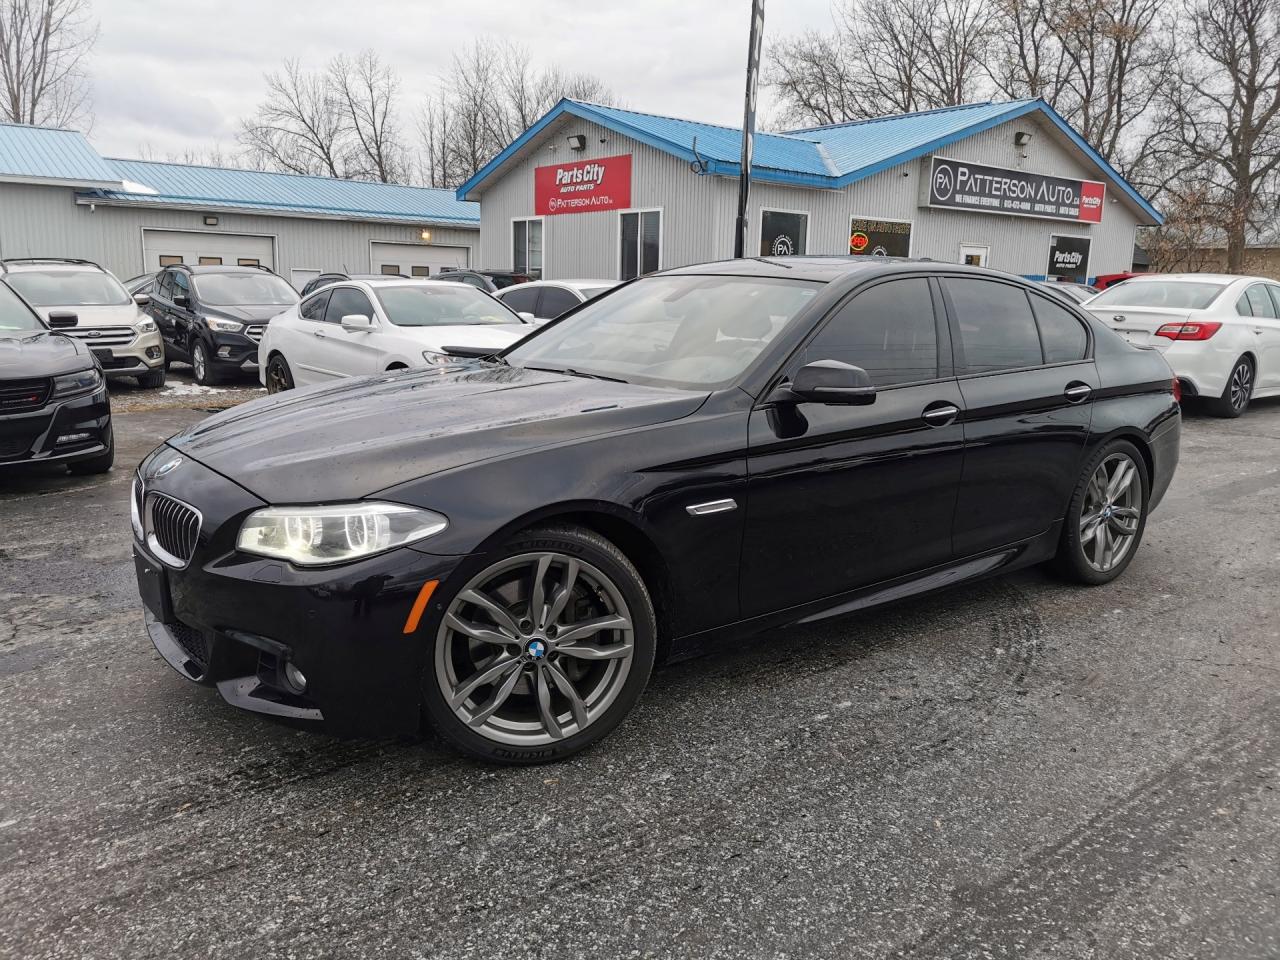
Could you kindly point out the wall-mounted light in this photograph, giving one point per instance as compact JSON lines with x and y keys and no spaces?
{"x":1021,"y":138}
{"x":425,"y":236}
{"x":577,"y":142}
{"x":210,"y":221}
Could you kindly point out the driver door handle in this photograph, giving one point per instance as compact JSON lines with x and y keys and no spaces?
{"x":940,"y":415}
{"x":1077,"y":392}
{"x":318,"y":333}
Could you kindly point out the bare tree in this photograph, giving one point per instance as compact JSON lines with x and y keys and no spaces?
{"x":892,"y":56}
{"x":1223,"y":115}
{"x":301,"y":127}
{"x":368,"y":90}
{"x":43,"y":45}
{"x":1191,"y":237}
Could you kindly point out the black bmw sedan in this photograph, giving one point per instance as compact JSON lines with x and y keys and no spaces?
{"x":505,"y":551}
{"x":54,"y":406}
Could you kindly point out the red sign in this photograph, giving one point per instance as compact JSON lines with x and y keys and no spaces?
{"x":1092,"y":194}
{"x":583,"y":186}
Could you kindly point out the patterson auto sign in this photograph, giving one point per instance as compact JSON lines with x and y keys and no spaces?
{"x":959,"y":185}
{"x":583,"y":186}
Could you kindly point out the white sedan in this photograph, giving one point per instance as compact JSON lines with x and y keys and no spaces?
{"x":1220,"y":333}
{"x":361,"y":327}
{"x":547,"y":299}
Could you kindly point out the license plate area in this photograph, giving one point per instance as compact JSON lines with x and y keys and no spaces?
{"x":153,"y":587}
{"x":103,"y":354}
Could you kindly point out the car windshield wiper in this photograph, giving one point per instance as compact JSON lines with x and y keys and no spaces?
{"x":578,"y":373}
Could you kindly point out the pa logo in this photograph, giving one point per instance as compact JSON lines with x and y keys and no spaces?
{"x":944,"y":183}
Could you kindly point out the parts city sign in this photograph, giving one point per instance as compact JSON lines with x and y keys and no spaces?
{"x":583,"y":186}
{"x":958,"y":185}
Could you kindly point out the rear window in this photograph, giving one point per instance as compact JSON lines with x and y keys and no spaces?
{"x":1175,"y":294}
{"x":69,"y":288}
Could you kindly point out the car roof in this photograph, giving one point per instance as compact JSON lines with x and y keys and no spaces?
{"x":827,"y":269}
{"x":1192,"y":278}
{"x":51,"y":263}
{"x":562,"y":283}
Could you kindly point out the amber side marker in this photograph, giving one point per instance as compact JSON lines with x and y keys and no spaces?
{"x":420,"y":605}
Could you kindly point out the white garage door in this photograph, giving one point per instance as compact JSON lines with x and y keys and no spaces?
{"x":416,"y":259}
{"x":160,"y":248}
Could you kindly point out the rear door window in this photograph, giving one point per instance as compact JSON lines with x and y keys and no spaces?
{"x":522,"y":299}
{"x":555,"y":301}
{"x":997,"y":328}
{"x":1260,"y":304}
{"x":313,"y":309}
{"x":1061,"y":332}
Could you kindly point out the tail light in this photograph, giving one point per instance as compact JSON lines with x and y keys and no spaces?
{"x":1177,"y":390}
{"x":1202,"y":330}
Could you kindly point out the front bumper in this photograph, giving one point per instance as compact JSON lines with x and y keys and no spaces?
{"x":34,"y":437}
{"x":141,"y":356}
{"x":234,"y":621}
{"x":232,"y":351}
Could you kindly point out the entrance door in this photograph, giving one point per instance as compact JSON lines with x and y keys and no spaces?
{"x":842,"y":497}
{"x":974,"y":255}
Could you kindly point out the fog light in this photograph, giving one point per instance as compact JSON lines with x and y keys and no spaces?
{"x":295,"y":678}
{"x":224,"y":352}
{"x":153,"y":353}
{"x":73,"y":437}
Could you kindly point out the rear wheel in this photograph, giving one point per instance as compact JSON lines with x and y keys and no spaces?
{"x":279,"y":376}
{"x":544,"y":651}
{"x":152,"y":379}
{"x":1237,"y":393}
{"x":1106,"y":517}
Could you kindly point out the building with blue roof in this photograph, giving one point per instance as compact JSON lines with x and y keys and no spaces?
{"x":592,"y":190}
{"x":59,"y":197}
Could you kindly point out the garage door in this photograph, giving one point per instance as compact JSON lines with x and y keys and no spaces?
{"x":160,"y":248}
{"x":416,"y":259}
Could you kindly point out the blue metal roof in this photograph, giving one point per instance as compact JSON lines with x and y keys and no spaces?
{"x":43,"y":154}
{"x":168,"y":184}
{"x":830,"y":156}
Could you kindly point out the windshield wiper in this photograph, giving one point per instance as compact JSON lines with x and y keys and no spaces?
{"x":578,"y":373}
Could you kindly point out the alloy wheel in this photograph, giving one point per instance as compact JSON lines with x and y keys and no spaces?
{"x":198,"y":363}
{"x":1111,"y":514}
{"x":1241,"y":387}
{"x":276,"y":380}
{"x":534,"y":649}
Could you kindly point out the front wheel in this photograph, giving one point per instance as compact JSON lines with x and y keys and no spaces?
{"x":1106,"y":517}
{"x":1237,"y":393}
{"x":201,"y":371}
{"x":152,"y":379}
{"x":543,"y":652}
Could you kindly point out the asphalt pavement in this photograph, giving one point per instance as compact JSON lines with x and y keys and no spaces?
{"x":1017,"y":768}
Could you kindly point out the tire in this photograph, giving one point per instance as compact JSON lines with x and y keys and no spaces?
{"x":99,"y":464}
{"x":279,"y":376}
{"x":152,"y":379}
{"x":1081,"y":548}
{"x":201,"y":369}
{"x":534,"y":720}
{"x":1237,"y":393}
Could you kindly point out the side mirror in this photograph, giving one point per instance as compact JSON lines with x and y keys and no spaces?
{"x":142,"y":299}
{"x":62,"y":320}
{"x":357,"y":323}
{"x":829,"y":382}
{"x":528,"y":317}
{"x":181,"y":301}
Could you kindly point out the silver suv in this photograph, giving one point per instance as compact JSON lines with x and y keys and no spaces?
{"x":84,"y":301}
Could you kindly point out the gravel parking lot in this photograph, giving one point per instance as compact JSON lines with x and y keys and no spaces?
{"x":1012,"y":769}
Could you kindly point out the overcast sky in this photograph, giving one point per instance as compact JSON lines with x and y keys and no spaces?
{"x":173,"y":77}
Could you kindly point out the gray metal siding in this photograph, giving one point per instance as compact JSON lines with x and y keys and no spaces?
{"x":698,"y":211}
{"x":46,"y":221}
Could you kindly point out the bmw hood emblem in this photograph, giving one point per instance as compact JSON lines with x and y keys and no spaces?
{"x":167,"y":468}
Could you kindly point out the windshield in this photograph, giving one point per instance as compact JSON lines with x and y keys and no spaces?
{"x":243,"y":289}
{"x":16,"y":315}
{"x":442,"y":305}
{"x":69,"y":288}
{"x":690,"y":332}
{"x":1176,"y":294}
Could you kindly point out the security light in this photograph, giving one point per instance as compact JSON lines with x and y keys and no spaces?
{"x":1021,"y":138}
{"x":425,"y":235}
{"x":577,"y":142}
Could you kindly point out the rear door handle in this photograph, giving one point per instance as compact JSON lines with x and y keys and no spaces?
{"x":318,"y":333}
{"x":941,"y":414}
{"x":1077,"y":392}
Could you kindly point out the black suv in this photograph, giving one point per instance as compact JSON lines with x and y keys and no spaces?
{"x":213,"y":317}
{"x":54,"y":406}
{"x":499,"y":279}
{"x":334,"y":276}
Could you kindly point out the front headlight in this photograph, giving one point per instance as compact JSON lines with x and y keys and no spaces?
{"x":316,"y":536}
{"x":438,"y":359}
{"x":145,"y":325}
{"x":71,"y":383}
{"x":219,"y":323}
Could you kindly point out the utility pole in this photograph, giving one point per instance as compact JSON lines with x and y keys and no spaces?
{"x":749,"y":125}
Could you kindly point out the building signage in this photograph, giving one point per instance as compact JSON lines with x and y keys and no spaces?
{"x":583,"y":186}
{"x":783,"y":234}
{"x":1068,"y":259}
{"x":879,"y":238}
{"x":958,"y":185}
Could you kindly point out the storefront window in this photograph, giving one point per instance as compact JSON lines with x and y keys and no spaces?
{"x":641,"y":243}
{"x":879,"y":238}
{"x":526,"y":253}
{"x":783,"y":233}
